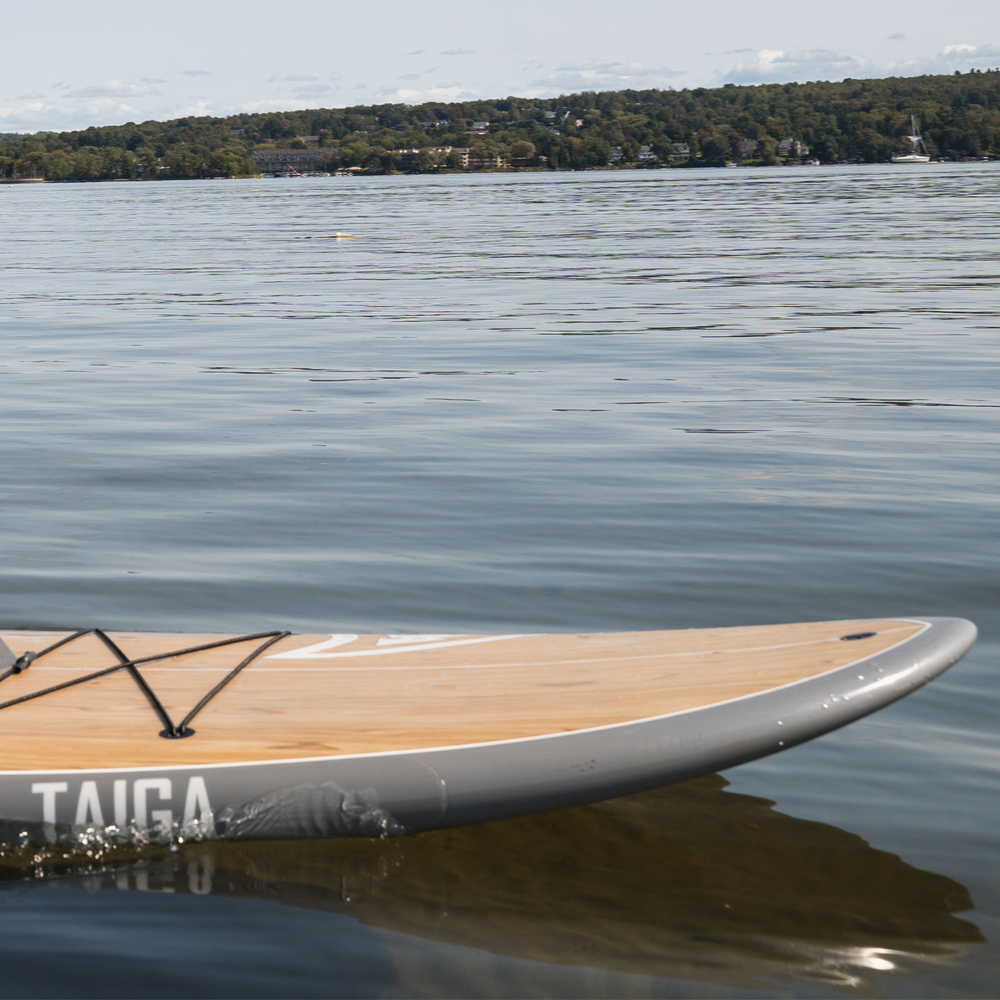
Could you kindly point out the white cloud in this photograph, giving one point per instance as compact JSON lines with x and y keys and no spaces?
{"x":453,"y":92}
{"x":961,"y":56}
{"x":594,"y":75}
{"x":199,"y":110}
{"x":196,"y":72}
{"x":272,"y":105}
{"x":114,"y":88}
{"x":276,"y":104}
{"x":314,"y":90}
{"x":780,"y":66}
{"x":50,"y":116}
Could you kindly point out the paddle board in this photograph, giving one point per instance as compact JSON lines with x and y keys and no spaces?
{"x":136,"y":735}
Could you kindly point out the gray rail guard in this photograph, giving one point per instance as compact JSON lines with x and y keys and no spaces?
{"x":410,"y":791}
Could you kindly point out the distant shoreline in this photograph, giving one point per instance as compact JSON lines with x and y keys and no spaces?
{"x":851,"y":121}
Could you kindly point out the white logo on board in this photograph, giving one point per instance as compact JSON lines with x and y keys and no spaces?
{"x":147,"y":795}
{"x":385,"y":646}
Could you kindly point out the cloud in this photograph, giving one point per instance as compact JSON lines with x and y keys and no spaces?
{"x":409,"y":76}
{"x":152,"y":83}
{"x":595,"y":75}
{"x":450,"y":93}
{"x":60,"y":86}
{"x":50,"y":116}
{"x":196,"y":72}
{"x":457,"y":52}
{"x":433,"y":69}
{"x":300,"y":77}
{"x":36,"y":97}
{"x":280,"y":104}
{"x":449,"y":84}
{"x":961,"y":56}
{"x":361,"y":86}
{"x":202,"y":109}
{"x":334,"y":75}
{"x":780,"y":66}
{"x":897,"y":37}
{"x":114,"y":88}
{"x":314,"y":90}
{"x":416,"y":52}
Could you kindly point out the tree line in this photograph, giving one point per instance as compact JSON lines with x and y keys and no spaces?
{"x":850,"y":121}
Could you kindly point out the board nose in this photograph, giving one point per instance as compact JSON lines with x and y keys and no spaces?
{"x":7,"y":657}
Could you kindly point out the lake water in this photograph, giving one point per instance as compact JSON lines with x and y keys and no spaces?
{"x":577,"y":401}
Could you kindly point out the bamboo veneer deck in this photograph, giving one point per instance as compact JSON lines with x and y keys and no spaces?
{"x":381,"y":694}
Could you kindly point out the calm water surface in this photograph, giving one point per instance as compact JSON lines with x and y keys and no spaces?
{"x":613,"y":401}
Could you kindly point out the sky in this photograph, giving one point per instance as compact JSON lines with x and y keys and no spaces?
{"x":68,"y":64}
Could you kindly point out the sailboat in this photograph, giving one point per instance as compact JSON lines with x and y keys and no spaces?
{"x":919,"y":154}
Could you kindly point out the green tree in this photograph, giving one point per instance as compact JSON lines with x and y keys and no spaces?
{"x":32,"y":164}
{"x":715,"y":148}
{"x":60,"y":166}
{"x":871,"y":147}
{"x":427,"y":161}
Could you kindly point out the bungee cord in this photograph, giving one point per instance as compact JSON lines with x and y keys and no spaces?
{"x":171,"y":731}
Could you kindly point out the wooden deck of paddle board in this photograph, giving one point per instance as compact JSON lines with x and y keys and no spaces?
{"x":386,"y":694}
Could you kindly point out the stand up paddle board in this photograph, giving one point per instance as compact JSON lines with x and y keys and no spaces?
{"x":273,"y":735}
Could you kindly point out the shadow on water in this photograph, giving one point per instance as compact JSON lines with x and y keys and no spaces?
{"x":689,"y":882}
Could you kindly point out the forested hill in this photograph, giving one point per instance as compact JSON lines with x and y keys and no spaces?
{"x":850,"y":121}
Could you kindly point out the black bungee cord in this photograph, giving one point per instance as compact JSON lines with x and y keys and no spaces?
{"x":171,"y":731}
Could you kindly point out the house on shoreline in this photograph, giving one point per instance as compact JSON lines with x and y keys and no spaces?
{"x":273,"y":160}
{"x":287,"y":161}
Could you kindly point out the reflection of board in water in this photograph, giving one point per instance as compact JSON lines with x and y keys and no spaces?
{"x":688,"y":882}
{"x":319,"y":736}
